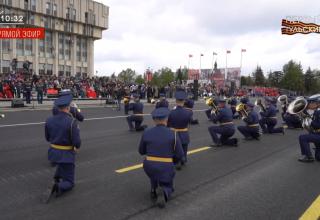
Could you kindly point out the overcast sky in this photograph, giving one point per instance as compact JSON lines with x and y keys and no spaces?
{"x":158,"y":33}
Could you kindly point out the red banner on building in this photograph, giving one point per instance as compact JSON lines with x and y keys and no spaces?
{"x":22,"y":33}
{"x":148,"y":76}
{"x":193,"y":74}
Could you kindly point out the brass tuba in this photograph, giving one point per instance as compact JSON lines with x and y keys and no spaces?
{"x":242,"y":110}
{"x":298,"y":107}
{"x":258,"y":103}
{"x":283,"y":99}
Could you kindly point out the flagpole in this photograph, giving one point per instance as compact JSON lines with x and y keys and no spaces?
{"x":200,"y":67}
{"x":212,"y":64}
{"x":225,"y":73}
{"x":241,"y":60}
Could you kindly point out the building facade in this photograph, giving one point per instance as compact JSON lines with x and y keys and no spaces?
{"x":71,"y":27}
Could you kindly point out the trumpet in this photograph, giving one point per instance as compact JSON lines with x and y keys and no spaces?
{"x":242,"y":110}
{"x":126,"y":100}
{"x":258,"y":103}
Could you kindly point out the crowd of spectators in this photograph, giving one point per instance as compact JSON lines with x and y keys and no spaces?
{"x":18,"y":85}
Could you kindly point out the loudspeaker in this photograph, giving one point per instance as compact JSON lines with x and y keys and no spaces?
{"x":17,"y":103}
{"x":195,"y":89}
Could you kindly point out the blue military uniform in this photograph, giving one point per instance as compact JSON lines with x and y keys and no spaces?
{"x":75,"y":112}
{"x":161,"y":146}
{"x":244,"y":100}
{"x":226,"y":129}
{"x":269,"y":119}
{"x":292,"y":121}
{"x":251,"y":130}
{"x":62,"y":131}
{"x":179,"y":119}
{"x":233,"y":103}
{"x":137,"y":116}
{"x":189,"y":104}
{"x":162,"y":103}
{"x":312,"y":137}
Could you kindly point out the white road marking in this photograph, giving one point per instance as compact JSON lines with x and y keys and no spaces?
{"x":87,"y":119}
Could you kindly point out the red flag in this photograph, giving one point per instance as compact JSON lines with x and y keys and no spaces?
{"x":201,"y":54}
{"x":228,"y":51}
{"x":243,"y":50}
{"x":190,"y":55}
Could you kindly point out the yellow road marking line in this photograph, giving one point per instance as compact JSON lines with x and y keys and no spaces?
{"x":198,"y":150}
{"x":140,"y":165}
{"x":313,"y":212}
{"x":127,"y":169}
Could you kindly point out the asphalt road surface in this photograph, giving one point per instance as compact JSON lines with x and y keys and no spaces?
{"x":257,"y":180}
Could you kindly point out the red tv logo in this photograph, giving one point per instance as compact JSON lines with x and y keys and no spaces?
{"x":22,"y":33}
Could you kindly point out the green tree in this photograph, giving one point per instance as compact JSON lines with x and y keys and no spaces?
{"x":139,"y":79}
{"x":259,"y":79}
{"x":310,"y":81}
{"x":127,"y":75}
{"x":246,"y":81}
{"x":113,"y":76}
{"x":275,"y":78}
{"x":243,"y":81}
{"x":155,"y":81}
{"x":293,"y":77}
{"x":165,"y":76}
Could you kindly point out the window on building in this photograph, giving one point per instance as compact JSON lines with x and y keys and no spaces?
{"x":33,"y":5}
{"x":74,"y":13}
{"x":31,"y":19}
{"x":84,"y":72}
{"x":6,"y":45}
{"x":67,"y":47}
{"x":84,"y":50}
{"x":78,"y":49}
{"x":48,"y":8}
{"x":20,"y":47}
{"x":41,"y":47}
{"x":6,"y":2}
{"x":68,"y":13}
{"x":49,"y":69}
{"x":55,"y":9}
{"x":68,"y":71}
{"x":78,"y":72}
{"x":86,"y":16}
{"x":61,"y":70}
{"x":5,"y":66}
{"x":49,"y":44}
{"x":93,"y":19}
{"x":42,"y":67}
{"x":28,"y":47}
{"x":19,"y":67}
{"x":61,"y":46}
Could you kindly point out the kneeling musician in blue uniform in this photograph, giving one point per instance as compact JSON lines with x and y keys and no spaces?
{"x":62,"y":131}
{"x":162,"y":147}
